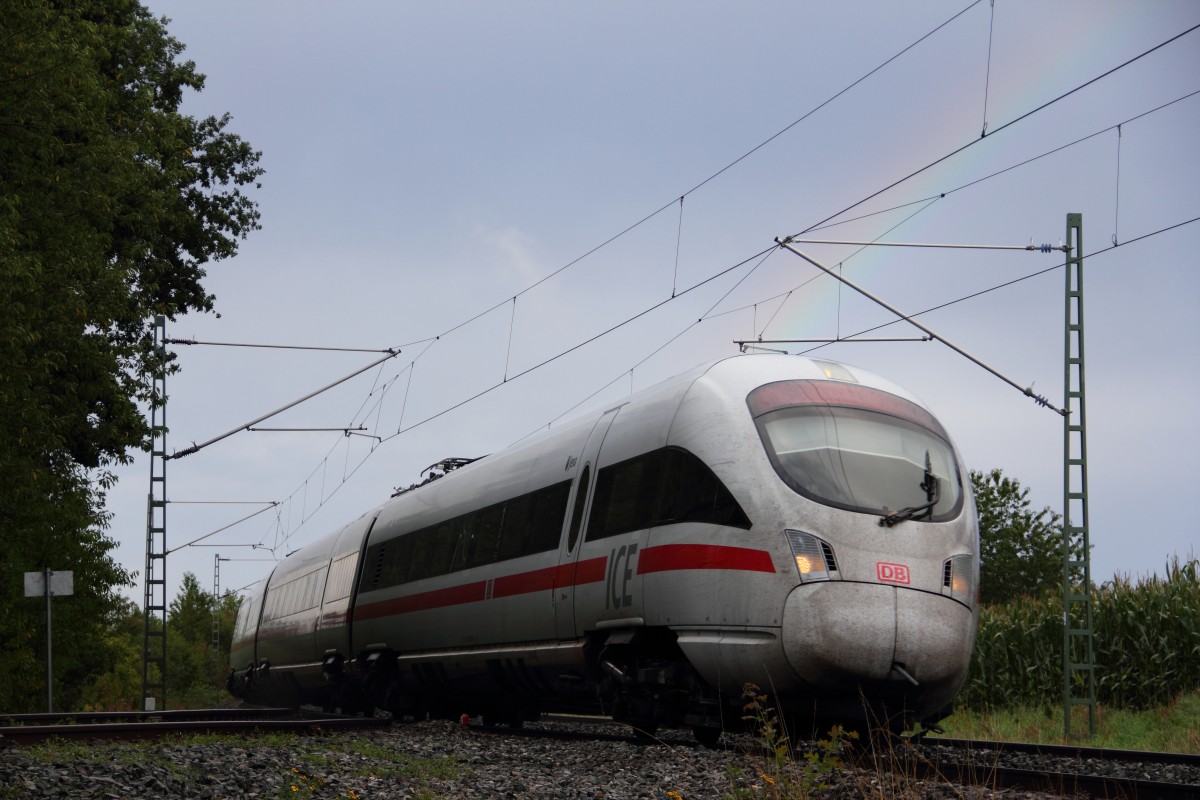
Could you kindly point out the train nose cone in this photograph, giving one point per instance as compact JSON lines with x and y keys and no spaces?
{"x":853,"y":640}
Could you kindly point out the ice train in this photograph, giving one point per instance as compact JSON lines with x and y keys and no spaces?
{"x":799,"y":525}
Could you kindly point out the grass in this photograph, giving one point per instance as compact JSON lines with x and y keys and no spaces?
{"x":146,"y":754}
{"x":1171,"y":728}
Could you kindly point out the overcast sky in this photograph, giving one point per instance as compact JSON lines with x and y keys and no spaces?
{"x":429,"y":163}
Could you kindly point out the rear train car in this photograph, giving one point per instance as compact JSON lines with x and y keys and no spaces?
{"x":799,"y":525}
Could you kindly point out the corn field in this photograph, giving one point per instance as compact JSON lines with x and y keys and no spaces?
{"x":1147,"y":645}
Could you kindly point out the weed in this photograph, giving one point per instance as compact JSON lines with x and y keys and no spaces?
{"x":781,"y":777}
{"x":386,"y":762}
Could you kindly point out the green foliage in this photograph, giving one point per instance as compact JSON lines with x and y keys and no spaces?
{"x":196,"y":671}
{"x":1148,"y":637}
{"x":112,"y":204}
{"x":1147,"y":645}
{"x":1020,"y":550}
{"x":119,"y":684}
{"x":1169,"y":729}
{"x":35,"y":538}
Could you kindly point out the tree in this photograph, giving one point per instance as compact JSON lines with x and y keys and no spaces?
{"x":118,"y":685}
{"x":112,"y":202}
{"x":1020,"y":549}
{"x":195,"y":673}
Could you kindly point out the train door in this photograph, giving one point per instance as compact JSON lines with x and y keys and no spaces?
{"x":570,"y":572}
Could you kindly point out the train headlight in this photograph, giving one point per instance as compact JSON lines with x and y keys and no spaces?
{"x":834,"y":371}
{"x":958,"y":579}
{"x":814,"y":558}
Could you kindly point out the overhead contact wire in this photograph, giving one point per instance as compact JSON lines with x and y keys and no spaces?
{"x":1008,"y":124}
{"x":817,"y":108}
{"x":723,"y":169}
{"x":628,"y":229}
{"x":1117,"y":193}
{"x":678,"y":241}
{"x":987,"y":81}
{"x":1018,"y":165}
{"x":658,"y":211}
{"x":1006,"y":284}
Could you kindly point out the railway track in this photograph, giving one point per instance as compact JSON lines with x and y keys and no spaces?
{"x":22,"y":729}
{"x":1063,"y":770}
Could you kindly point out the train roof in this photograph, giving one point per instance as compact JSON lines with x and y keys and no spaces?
{"x":732,"y":377}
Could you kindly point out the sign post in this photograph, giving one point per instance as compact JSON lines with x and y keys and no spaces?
{"x":49,"y":583}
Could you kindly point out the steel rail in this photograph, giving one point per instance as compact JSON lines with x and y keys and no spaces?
{"x":980,"y":766}
{"x":155,"y":726}
{"x":1065,"y":784}
{"x":1067,"y":751}
{"x":94,"y":717}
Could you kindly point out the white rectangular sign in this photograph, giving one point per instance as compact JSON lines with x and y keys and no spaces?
{"x":61,"y":584}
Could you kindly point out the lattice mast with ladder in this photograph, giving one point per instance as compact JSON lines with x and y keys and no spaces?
{"x":1079,"y":660}
{"x":154,"y":607}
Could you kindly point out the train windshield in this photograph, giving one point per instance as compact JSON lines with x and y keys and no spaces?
{"x":860,"y":449}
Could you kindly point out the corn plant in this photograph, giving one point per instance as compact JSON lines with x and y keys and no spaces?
{"x":1147,"y":640}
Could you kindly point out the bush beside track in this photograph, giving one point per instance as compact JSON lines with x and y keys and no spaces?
{"x":1146,"y":636}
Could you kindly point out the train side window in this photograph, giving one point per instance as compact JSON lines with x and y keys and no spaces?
{"x":626,"y":496}
{"x":388,"y":563}
{"x":692,"y":493}
{"x":285,"y":599}
{"x":373,"y":572}
{"x":401,"y":560}
{"x":517,"y":513}
{"x":464,"y":543}
{"x":549,"y":510}
{"x":318,"y":587}
{"x":531,"y":523}
{"x":484,"y":528}
{"x":433,"y":550}
{"x":247,"y":618}
{"x":661,"y":487}
{"x":240,"y":623}
{"x":580,"y":502}
{"x":341,"y":578}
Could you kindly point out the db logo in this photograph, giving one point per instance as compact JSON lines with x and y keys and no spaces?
{"x":891,"y":573}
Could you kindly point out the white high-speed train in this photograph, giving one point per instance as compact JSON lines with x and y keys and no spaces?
{"x":800,"y":525}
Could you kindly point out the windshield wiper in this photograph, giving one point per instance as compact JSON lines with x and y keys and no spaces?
{"x":931,"y":487}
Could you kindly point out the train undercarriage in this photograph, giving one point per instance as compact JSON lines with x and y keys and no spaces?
{"x":638,"y":677}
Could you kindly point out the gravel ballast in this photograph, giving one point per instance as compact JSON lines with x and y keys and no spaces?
{"x":430,"y":760}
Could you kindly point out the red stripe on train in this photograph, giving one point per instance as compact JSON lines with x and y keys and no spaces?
{"x":662,"y":558}
{"x":438,"y":598}
{"x":540,"y":580}
{"x":590,"y":570}
{"x":667,"y":557}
